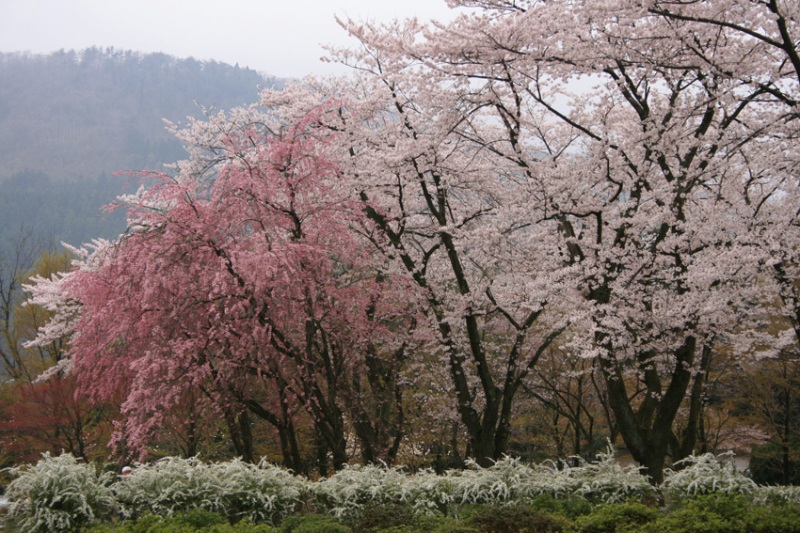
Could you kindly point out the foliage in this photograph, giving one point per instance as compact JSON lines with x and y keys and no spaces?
{"x":694,"y":521}
{"x":783,"y":518}
{"x":313,"y":523}
{"x":768,"y":465}
{"x":728,"y":512}
{"x":242,"y":282}
{"x":621,"y":517}
{"x":62,"y":494}
{"x":605,"y":480}
{"x":507,"y":480}
{"x":516,"y":519}
{"x":778,"y":494}
{"x":433,"y":524}
{"x":234,"y":489}
{"x":354,"y":487}
{"x":612,"y":181}
{"x":708,"y":513}
{"x":59,"y":494}
{"x":375,"y":518}
{"x":183,"y":522}
{"x":707,"y":474}
{"x":581,"y":171}
{"x":571,"y":506}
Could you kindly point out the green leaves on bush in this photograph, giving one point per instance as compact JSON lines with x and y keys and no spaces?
{"x":517,"y":519}
{"x":628,"y":516}
{"x":313,"y":523}
{"x":197,"y":520}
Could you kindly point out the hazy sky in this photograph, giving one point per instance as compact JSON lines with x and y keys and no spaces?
{"x":280,"y":37}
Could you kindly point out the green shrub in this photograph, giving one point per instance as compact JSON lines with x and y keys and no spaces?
{"x":313,"y":523}
{"x":693,"y":521}
{"x":196,"y":520}
{"x":433,"y":524}
{"x":373,"y":518}
{"x":628,"y":516}
{"x":707,"y":513}
{"x":570,"y":506}
{"x":732,"y":506}
{"x":516,"y":519}
{"x":58,"y":494}
{"x":199,"y":518}
{"x":769,"y":519}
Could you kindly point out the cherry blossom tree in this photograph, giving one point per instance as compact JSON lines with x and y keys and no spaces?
{"x":240,"y":281}
{"x":612,"y":180}
{"x":611,"y":168}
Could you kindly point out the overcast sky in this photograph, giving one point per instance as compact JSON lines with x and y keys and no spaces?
{"x":279,"y":37}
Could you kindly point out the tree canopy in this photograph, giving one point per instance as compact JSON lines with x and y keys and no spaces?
{"x":612,"y":181}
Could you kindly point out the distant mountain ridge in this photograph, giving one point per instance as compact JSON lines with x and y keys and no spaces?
{"x":71,"y":119}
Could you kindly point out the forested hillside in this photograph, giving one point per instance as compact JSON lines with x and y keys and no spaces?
{"x":70,"y":120}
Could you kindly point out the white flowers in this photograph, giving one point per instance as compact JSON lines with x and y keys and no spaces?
{"x":60,"y":494}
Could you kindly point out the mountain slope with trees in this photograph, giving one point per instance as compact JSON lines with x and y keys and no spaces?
{"x":70,"y":120}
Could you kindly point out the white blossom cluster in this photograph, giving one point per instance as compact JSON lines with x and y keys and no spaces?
{"x":60,"y":493}
{"x":260,"y":492}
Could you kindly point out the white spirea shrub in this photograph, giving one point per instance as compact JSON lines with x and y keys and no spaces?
{"x":170,"y":484}
{"x":58,"y":494}
{"x":511,"y":480}
{"x":261,"y":492}
{"x":353,"y":487}
{"x":507,"y":481}
{"x":706,"y":474}
{"x":604,"y":480}
{"x":62,"y":494}
{"x":235,"y":489}
{"x":777,"y":494}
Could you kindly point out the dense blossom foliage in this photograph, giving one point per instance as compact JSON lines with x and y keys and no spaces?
{"x":262,"y":493}
{"x":59,"y":494}
{"x":239,"y":280}
{"x":615,"y":181}
{"x":626,"y":172}
{"x":706,"y":474}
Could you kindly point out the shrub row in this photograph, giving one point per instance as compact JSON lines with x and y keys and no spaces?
{"x":715,"y":513}
{"x":62,"y":494}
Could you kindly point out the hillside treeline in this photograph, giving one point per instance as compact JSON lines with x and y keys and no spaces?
{"x":71,"y":119}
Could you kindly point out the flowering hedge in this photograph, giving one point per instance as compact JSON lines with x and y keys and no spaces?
{"x":62,"y":494}
{"x":58,"y":494}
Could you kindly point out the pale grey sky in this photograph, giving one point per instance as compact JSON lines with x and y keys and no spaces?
{"x":280,"y":37}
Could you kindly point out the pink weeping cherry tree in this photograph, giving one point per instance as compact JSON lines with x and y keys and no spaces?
{"x":242,"y":283}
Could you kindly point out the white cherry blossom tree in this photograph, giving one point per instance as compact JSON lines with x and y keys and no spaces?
{"x":605,"y":167}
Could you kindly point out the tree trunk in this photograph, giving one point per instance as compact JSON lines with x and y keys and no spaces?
{"x":647,"y":432}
